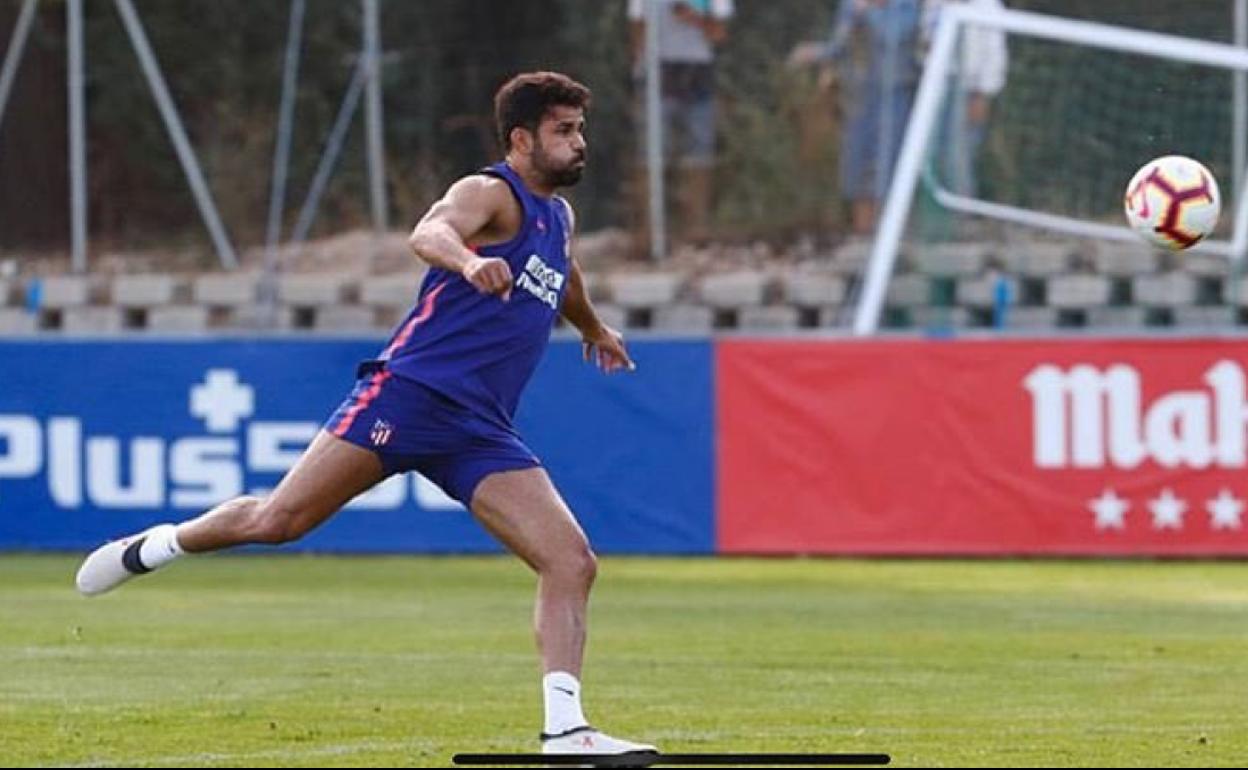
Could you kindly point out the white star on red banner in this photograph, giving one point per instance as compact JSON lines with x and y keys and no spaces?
{"x":1224,"y":511}
{"x":1110,"y":510}
{"x":1167,"y":510}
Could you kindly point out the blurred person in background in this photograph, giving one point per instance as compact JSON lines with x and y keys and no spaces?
{"x":688,"y":33}
{"x":978,"y":76}
{"x":874,"y":46}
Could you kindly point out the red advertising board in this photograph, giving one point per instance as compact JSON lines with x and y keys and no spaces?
{"x":982,"y":447}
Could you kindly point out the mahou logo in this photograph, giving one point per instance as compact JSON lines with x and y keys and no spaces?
{"x":1087,"y":417}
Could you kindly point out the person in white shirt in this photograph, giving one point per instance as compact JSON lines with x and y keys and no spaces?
{"x":978,"y":77}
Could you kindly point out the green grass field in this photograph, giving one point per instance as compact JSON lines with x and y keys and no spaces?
{"x":316,"y":661}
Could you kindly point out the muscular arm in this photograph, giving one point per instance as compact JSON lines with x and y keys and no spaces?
{"x":576,"y":305}
{"x":600,"y":344}
{"x":476,"y":209}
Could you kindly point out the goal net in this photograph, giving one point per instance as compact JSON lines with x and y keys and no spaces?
{"x":1045,"y":144}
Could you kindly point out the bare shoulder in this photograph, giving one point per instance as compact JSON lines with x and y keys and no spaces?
{"x":476,"y":197}
{"x":481,"y":208}
{"x":479,"y":191}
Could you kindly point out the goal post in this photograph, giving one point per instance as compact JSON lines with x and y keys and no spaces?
{"x":914,"y":164}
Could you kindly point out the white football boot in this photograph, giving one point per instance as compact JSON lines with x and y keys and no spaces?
{"x":112,"y":564}
{"x":587,"y":740}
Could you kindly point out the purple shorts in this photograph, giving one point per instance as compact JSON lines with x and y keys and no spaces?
{"x":414,"y":428}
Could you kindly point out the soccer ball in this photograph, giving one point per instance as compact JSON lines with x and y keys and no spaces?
{"x":1173,"y":202}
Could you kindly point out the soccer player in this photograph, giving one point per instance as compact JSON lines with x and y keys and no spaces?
{"x":441,"y":396}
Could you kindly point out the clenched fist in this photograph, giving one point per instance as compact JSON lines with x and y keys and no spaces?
{"x":490,"y":275}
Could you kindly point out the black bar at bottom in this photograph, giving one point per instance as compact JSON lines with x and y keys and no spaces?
{"x":649,"y":760}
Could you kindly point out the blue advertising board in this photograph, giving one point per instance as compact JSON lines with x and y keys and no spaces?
{"x":101,"y":438}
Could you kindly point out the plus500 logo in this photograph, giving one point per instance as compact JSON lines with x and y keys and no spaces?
{"x":153,"y":472}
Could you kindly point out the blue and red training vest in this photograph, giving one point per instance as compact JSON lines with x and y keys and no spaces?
{"x":475,"y":348}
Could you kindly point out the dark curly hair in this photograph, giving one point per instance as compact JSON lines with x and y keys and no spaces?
{"x":524,"y":100}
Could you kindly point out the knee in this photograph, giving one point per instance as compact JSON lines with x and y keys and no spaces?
{"x":273,"y":523}
{"x":579,"y":566}
{"x":587,"y":565}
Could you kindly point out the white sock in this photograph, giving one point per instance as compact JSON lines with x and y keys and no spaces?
{"x":160,"y":546}
{"x":563,"y":702}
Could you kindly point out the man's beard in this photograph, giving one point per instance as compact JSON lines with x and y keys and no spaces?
{"x":559,"y":177}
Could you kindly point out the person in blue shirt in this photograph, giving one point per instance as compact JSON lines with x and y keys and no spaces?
{"x":874,"y":44}
{"x":440,"y":397}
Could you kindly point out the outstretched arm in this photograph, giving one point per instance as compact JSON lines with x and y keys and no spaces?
{"x":476,"y":208}
{"x":833,"y":48}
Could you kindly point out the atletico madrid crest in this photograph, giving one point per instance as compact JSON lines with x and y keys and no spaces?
{"x":381,"y":433}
